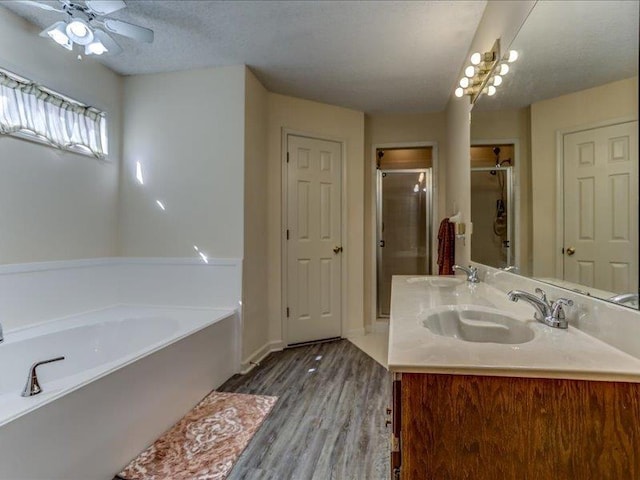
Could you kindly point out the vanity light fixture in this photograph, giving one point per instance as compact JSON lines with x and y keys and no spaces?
{"x":485,"y":72}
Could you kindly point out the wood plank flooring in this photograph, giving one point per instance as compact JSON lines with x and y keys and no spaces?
{"x":329,"y":421}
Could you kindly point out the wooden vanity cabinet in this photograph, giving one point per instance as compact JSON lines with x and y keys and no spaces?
{"x":479,"y":427}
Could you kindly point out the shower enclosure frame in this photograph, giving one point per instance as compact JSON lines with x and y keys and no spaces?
{"x":429,"y":198}
{"x":511,"y":250}
{"x":372,"y":322}
{"x":519,"y":176}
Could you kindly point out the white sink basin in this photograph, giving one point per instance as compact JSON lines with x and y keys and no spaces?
{"x":438,"y":281}
{"x":475,"y":324}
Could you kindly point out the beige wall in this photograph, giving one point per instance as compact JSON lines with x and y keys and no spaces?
{"x":324,"y":121}
{"x":383,"y":129}
{"x":187,"y":131}
{"x":505,"y":125}
{"x":607,"y":102}
{"x":457,"y":171}
{"x":57,"y":205}
{"x":255,"y":262}
{"x":501,"y":19}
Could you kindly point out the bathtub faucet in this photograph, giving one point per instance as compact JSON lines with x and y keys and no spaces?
{"x":33,"y":386}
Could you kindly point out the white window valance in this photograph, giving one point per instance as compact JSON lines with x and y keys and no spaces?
{"x":35,"y":112}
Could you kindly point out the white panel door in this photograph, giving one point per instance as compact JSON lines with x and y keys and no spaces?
{"x":314,"y":185}
{"x":601,"y":207}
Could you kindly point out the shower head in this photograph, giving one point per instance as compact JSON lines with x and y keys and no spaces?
{"x":496,"y":151}
{"x":380,"y":154}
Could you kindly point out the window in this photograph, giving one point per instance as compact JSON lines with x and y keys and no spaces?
{"x":30,"y":111}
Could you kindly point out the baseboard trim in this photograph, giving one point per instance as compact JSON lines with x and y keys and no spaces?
{"x":379,"y":326}
{"x":355,"y":332}
{"x":260,"y":354}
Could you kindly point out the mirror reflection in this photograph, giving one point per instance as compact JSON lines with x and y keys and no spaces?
{"x":564,"y":207}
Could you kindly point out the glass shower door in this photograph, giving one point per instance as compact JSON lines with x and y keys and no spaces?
{"x":492,"y":216}
{"x":404,"y":219}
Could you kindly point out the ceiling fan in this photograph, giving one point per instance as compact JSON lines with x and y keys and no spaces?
{"x":87,"y":25}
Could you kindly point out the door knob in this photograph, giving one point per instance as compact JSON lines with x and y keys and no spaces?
{"x":571,"y":251}
{"x":337,"y":250}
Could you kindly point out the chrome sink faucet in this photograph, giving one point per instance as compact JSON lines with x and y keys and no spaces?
{"x":548,"y":312}
{"x":472,"y":273}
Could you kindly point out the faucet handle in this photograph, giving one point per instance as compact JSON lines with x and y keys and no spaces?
{"x":556,"y":308}
{"x":557,"y":313}
{"x":33,"y":386}
{"x":543,"y":295}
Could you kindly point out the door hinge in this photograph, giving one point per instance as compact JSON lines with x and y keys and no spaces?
{"x":287,"y":234}
{"x":287,"y":312}
{"x":287,"y":157}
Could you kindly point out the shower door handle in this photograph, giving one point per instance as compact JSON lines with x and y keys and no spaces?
{"x":381,"y":243}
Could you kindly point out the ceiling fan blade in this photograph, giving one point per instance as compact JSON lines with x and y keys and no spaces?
{"x":128,"y":30}
{"x":43,"y":6}
{"x":110,"y":44}
{"x":105,"y":7}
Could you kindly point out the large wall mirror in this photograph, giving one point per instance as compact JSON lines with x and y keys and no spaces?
{"x":554,"y":157}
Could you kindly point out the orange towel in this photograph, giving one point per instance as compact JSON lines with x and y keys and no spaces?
{"x":446,"y":247}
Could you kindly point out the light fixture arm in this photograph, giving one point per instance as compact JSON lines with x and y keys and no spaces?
{"x":489,"y":64}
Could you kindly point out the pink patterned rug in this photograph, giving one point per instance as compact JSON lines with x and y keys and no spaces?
{"x":206,"y":442}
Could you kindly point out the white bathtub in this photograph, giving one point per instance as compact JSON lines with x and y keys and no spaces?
{"x":129,"y":373}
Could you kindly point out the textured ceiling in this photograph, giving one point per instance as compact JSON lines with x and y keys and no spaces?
{"x":567,"y":46}
{"x":374,"y":56}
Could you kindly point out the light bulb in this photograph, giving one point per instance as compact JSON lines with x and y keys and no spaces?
{"x":459,"y":92}
{"x":139,"y":176}
{"x":491,"y":90}
{"x":470,"y":71}
{"x":504,"y":69}
{"x":476,"y":58}
{"x":464,"y":82}
{"x":513,"y":56}
{"x":497,"y":80}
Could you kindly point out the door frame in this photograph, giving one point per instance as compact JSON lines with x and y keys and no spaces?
{"x":435,"y":213}
{"x":283,"y":233}
{"x":559,"y":244}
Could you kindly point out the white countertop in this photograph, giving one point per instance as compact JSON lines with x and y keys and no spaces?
{"x":552,"y":353}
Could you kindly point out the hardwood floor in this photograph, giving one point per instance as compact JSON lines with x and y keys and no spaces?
{"x":329,"y":421}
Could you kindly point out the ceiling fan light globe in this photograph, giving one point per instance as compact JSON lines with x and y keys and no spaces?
{"x":79,"y":32}
{"x":56,"y":32}
{"x":95,"y":48}
{"x":59,"y":37}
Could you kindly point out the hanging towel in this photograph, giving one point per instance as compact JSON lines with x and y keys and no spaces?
{"x":446,"y":247}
